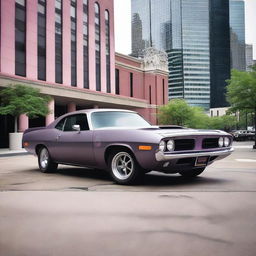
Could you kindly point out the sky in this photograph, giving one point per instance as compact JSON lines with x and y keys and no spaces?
{"x":123,"y":25}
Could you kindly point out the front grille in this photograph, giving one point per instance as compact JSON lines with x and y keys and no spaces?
{"x":184,"y":144}
{"x":210,"y":143}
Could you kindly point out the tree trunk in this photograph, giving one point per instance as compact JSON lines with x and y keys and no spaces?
{"x":254,"y":146}
{"x":15,"y":124}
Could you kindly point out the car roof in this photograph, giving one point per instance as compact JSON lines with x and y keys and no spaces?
{"x":89,"y":111}
{"x":92,"y":110}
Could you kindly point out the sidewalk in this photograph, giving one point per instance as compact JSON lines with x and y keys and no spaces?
{"x":4,"y":152}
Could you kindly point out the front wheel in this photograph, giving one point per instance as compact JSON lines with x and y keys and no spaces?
{"x":191,"y":173}
{"x":124,"y":168}
{"x":45,"y":162}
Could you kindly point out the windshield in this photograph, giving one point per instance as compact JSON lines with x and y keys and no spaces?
{"x":117,"y":119}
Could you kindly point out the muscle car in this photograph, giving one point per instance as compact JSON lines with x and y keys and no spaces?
{"x":125,"y":144}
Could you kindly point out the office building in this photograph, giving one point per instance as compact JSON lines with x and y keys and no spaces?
{"x":249,"y":56}
{"x":237,"y":34}
{"x":195,"y":35}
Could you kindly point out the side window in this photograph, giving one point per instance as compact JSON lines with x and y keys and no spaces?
{"x":60,"y":124}
{"x":80,"y":119}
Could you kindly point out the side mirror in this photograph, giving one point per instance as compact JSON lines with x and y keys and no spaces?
{"x":76,"y":127}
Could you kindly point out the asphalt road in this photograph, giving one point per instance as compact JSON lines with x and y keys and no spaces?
{"x":79,"y":211}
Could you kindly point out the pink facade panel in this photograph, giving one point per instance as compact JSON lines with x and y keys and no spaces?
{"x":71,"y":107}
{"x":79,"y":45}
{"x":31,"y":39}
{"x":138,"y":85}
{"x":50,"y":117}
{"x":50,"y":41}
{"x":66,"y":43}
{"x":110,"y":8}
{"x":7,"y":44}
{"x":103,"y":47}
{"x":23,"y":123}
{"x":124,"y":82}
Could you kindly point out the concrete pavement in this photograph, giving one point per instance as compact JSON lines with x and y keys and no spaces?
{"x":79,"y":211}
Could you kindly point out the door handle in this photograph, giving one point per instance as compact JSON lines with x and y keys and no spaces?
{"x":58,"y":136}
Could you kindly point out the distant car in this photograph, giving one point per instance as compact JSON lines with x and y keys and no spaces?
{"x":243,"y":135}
{"x":126,"y":145}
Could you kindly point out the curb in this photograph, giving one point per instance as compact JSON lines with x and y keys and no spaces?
{"x":14,"y":154}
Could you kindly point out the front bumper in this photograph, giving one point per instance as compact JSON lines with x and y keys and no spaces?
{"x":163,"y":156}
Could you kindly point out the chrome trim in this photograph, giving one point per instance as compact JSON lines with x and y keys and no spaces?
{"x":192,"y":132}
{"x":161,"y":156}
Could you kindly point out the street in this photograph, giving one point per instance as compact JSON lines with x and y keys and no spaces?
{"x":78,"y":211}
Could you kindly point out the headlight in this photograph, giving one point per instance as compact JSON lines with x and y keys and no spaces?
{"x":162,"y":146}
{"x":226,"y":141}
{"x":170,"y":145}
{"x":221,"y":142}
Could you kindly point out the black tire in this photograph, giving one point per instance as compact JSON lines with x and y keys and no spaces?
{"x":45,"y":163}
{"x":124,"y":168}
{"x":192,"y":173}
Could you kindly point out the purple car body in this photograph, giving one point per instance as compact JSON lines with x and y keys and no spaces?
{"x":125,"y":144}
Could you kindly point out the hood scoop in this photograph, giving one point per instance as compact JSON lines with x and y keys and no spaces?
{"x":163,"y":127}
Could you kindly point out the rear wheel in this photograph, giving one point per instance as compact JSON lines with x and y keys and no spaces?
{"x":191,"y":173}
{"x":124,"y":168}
{"x":45,"y":162}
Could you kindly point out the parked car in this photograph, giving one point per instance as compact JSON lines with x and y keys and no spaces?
{"x":243,"y":135}
{"x":125,"y":144}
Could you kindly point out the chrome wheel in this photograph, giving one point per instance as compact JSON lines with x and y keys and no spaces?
{"x":44,"y":158}
{"x":122,"y":165}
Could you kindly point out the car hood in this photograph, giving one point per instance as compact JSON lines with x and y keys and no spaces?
{"x":183,"y":132}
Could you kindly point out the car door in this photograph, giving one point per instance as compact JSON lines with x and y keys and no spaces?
{"x":74,"y":147}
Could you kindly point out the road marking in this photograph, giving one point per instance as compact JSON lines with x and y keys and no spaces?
{"x":246,"y":160}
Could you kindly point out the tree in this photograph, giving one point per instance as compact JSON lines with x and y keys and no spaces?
{"x":20,"y":99}
{"x":241,"y":92}
{"x":198,"y":119}
{"x":175,"y":112}
{"x":226,"y":122}
{"x":180,"y":113}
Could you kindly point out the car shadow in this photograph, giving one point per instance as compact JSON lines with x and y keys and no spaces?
{"x":85,"y":173}
{"x":159,"y":179}
{"x":153,"y":179}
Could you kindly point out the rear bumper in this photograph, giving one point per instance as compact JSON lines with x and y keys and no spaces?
{"x":161,"y":156}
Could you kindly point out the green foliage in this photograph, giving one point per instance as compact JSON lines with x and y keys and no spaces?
{"x":198,"y":119}
{"x":241,"y":93}
{"x":226,"y":122}
{"x":180,"y":113}
{"x":175,"y":112}
{"x":20,"y":99}
{"x":241,"y":90}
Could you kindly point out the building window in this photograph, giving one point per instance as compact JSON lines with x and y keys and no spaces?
{"x":73,"y":42}
{"x":85,"y":43}
{"x":58,"y":41}
{"x":163,"y":92}
{"x":107,"y":50}
{"x":97,"y":46}
{"x":117,"y":82}
{"x":150,"y":95}
{"x":41,"y":40}
{"x":20,"y":37}
{"x":131,"y":84}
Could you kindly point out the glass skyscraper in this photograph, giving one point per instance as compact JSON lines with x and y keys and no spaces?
{"x":237,"y":34}
{"x":183,"y":29}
